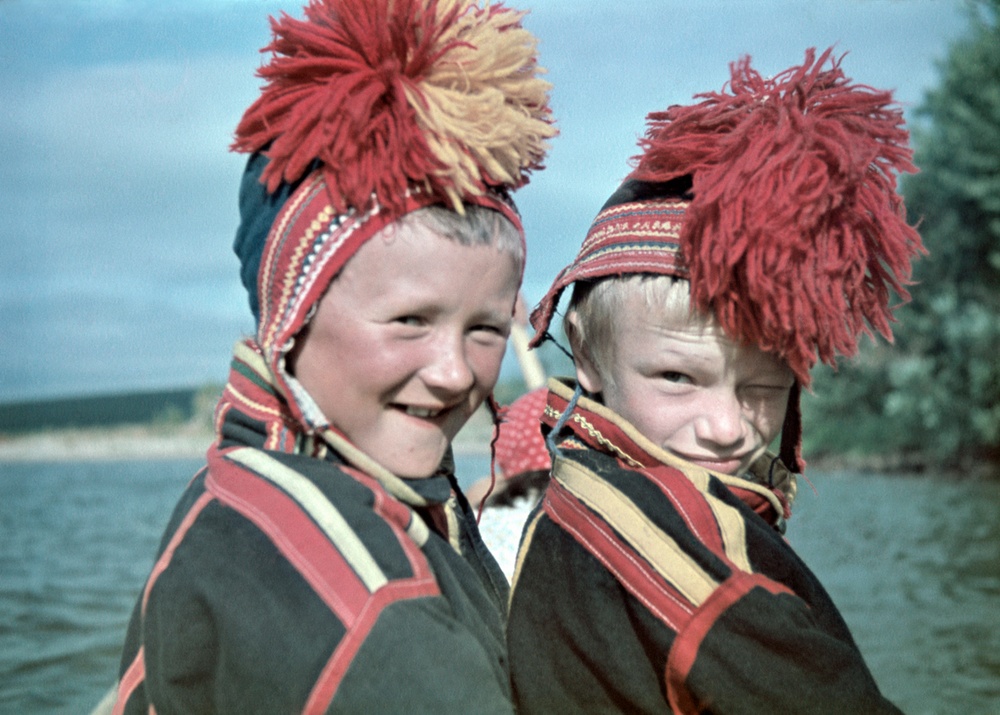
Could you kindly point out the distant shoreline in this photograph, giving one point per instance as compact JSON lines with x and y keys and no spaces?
{"x":77,"y":445}
{"x":192,"y":440}
{"x":143,"y":442}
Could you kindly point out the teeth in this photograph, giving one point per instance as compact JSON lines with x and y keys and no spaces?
{"x":422,"y":412}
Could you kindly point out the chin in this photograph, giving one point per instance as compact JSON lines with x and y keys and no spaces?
{"x":419,"y":468}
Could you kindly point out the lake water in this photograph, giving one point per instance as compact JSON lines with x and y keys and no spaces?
{"x":913,"y":563}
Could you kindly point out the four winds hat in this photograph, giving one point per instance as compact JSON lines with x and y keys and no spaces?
{"x":776,"y":199}
{"x":373,"y":109}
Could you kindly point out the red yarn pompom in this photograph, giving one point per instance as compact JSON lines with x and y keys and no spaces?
{"x":796,"y":238}
{"x":392,"y":95}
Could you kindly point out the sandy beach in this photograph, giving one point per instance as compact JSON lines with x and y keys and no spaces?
{"x":175,"y":441}
{"x":78,"y":445}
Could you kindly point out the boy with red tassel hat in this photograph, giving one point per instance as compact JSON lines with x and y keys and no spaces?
{"x":760,"y":231}
{"x":325,"y":559}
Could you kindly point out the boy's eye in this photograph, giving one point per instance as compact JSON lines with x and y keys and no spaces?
{"x":491,"y":329}
{"x":770,"y":389}
{"x":411,"y":320}
{"x":679,"y":377}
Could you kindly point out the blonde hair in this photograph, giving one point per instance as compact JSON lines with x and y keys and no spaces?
{"x":478,"y":226}
{"x":595,"y":307}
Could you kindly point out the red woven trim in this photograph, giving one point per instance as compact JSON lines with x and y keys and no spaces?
{"x":684,"y":651}
{"x":248,"y":393}
{"x":625,"y":239}
{"x":306,"y":248}
{"x":598,"y":430}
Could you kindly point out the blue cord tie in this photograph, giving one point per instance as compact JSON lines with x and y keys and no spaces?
{"x":550,"y":440}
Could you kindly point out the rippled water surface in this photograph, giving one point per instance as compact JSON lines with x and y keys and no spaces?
{"x":913,"y":563}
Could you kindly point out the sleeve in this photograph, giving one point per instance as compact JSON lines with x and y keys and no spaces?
{"x":578,"y":642}
{"x":755,"y":648}
{"x":581,"y":642}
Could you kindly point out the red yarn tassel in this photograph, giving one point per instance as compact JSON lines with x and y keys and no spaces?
{"x":796,"y":237}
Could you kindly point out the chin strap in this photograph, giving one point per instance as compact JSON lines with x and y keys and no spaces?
{"x":790,"y":451}
{"x":496,"y":412}
{"x":550,"y":439}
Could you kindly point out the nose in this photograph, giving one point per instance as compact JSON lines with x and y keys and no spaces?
{"x":722,"y":423}
{"x":449,"y":368}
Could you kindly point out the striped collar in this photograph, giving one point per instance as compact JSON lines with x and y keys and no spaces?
{"x":768,"y":488}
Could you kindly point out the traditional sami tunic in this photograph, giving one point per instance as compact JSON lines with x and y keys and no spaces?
{"x":296,"y":575}
{"x":646,"y":584}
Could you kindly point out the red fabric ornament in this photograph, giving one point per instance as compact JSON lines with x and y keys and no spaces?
{"x":796,"y":238}
{"x":394,"y":94}
{"x":520,"y":446}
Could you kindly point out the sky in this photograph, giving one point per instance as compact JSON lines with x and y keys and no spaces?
{"x":118,"y":192}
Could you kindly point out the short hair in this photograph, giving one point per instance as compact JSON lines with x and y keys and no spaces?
{"x":598,"y":304}
{"x":478,"y":226}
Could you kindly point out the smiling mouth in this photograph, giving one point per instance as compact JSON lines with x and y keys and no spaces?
{"x":726,"y":466}
{"x":422,"y":412}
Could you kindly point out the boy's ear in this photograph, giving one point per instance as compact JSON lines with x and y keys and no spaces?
{"x":586,"y":369}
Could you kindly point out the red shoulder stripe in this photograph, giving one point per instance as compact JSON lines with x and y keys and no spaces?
{"x":691,"y":504}
{"x":632,"y":571}
{"x":168,"y":553}
{"x":684,"y":651}
{"x":299,"y":540}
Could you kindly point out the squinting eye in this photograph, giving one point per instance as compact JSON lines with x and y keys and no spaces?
{"x":412,"y":320}
{"x":676,"y":377}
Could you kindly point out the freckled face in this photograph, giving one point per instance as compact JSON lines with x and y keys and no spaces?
{"x":407,"y":343}
{"x":690,"y":389}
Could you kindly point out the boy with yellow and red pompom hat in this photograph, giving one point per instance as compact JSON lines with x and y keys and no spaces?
{"x":325,"y":559}
{"x":760,"y":231}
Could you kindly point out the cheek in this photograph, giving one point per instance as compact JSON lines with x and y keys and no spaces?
{"x":640,"y":406}
{"x":771,"y":418}
{"x":485,"y":362}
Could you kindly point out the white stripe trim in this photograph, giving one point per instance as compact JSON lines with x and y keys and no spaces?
{"x":317,"y":506}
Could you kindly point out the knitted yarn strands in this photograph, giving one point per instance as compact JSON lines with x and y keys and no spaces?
{"x":796,"y":236}
{"x":387,"y":94}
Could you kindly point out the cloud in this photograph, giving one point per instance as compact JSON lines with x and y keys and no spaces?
{"x":118,"y":194}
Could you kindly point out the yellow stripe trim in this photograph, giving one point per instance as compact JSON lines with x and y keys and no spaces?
{"x":732,"y":526}
{"x":731,"y":523}
{"x":529,"y":534}
{"x":648,"y":540}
